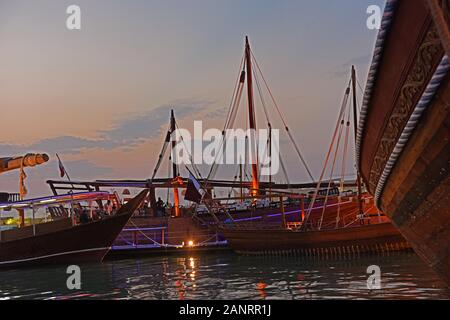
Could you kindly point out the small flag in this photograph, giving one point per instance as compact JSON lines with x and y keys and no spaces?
{"x":193,"y":190}
{"x":62,"y":170}
{"x":23,"y":190}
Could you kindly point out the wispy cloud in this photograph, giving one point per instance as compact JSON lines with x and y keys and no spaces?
{"x":125,"y":133}
{"x":217,"y":113}
{"x":149,"y":124}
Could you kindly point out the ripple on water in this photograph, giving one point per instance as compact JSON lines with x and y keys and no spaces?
{"x":229,"y":276}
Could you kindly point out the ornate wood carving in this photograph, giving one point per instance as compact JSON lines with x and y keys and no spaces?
{"x":421,"y":71}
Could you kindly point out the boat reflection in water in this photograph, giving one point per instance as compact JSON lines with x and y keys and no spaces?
{"x":229,"y":276}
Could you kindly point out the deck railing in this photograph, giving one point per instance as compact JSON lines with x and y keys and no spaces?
{"x":9,"y":197}
{"x":159,"y":237}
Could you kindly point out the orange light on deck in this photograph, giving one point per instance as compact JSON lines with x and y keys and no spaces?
{"x":190,"y":243}
{"x":255,"y":188}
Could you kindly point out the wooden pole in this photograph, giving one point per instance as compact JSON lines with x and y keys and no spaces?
{"x":283,"y":216}
{"x":176,"y":198}
{"x":34,"y":223}
{"x":1,"y":223}
{"x":152,"y":197}
{"x":440,"y":20}
{"x":21,"y":217}
{"x":270,"y":168}
{"x":355,"y":127}
{"x":240,"y":180}
{"x":252,"y":118}
{"x":302,"y":206}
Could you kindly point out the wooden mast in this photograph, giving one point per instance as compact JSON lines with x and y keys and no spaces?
{"x":240,"y":180}
{"x":438,"y":14}
{"x":252,"y":118}
{"x":355,"y":127}
{"x":175,"y":173}
{"x":270,"y":157}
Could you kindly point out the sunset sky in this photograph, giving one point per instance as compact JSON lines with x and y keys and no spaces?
{"x":101,"y":96}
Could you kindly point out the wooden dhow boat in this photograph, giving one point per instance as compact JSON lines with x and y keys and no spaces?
{"x":335,"y":223}
{"x":351,"y":241}
{"x":62,"y":239}
{"x":403,"y":143}
{"x":69,"y":233}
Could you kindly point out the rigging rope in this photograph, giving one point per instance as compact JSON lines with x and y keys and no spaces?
{"x":332,"y":171}
{"x":294,"y":143}
{"x":229,"y":124}
{"x":344,"y":162}
{"x":319,"y":183}
{"x":169,"y":171}
{"x":161,"y":155}
{"x":191,"y":158}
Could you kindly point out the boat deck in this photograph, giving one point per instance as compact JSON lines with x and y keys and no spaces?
{"x":132,"y":251}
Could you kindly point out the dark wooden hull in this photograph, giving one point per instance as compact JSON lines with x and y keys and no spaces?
{"x":382,"y":237}
{"x":72,"y":245}
{"x":404,"y":148}
{"x":78,"y":244}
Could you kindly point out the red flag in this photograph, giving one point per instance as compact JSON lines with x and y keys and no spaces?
{"x":62,"y":170}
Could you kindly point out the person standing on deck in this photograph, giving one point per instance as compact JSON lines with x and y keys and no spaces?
{"x":109,"y":208}
{"x":159,"y":207}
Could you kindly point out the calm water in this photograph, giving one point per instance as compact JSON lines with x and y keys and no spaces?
{"x":229,"y":276}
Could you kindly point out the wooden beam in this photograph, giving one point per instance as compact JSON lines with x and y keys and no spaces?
{"x":440,"y":16}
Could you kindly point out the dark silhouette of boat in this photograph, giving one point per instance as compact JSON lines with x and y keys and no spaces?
{"x":376,"y":235}
{"x":403,"y":145}
{"x":322,"y":231}
{"x":63,"y":242}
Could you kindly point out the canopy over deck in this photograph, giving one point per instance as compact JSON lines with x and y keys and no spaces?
{"x":57,"y":199}
{"x":58,"y":185}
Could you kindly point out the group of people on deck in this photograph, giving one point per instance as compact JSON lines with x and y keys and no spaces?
{"x":86,"y":215}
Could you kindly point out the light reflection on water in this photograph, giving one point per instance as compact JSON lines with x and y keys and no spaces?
{"x":229,"y":276}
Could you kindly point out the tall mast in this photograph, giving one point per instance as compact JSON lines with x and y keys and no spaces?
{"x":270,"y":157}
{"x":355,"y":127}
{"x":240,"y":183}
{"x":252,"y":118}
{"x":174,"y":166}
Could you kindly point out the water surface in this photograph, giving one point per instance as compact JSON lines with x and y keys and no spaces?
{"x":230,"y":276}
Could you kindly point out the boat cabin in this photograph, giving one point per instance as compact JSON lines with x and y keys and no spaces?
{"x":32,"y":216}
